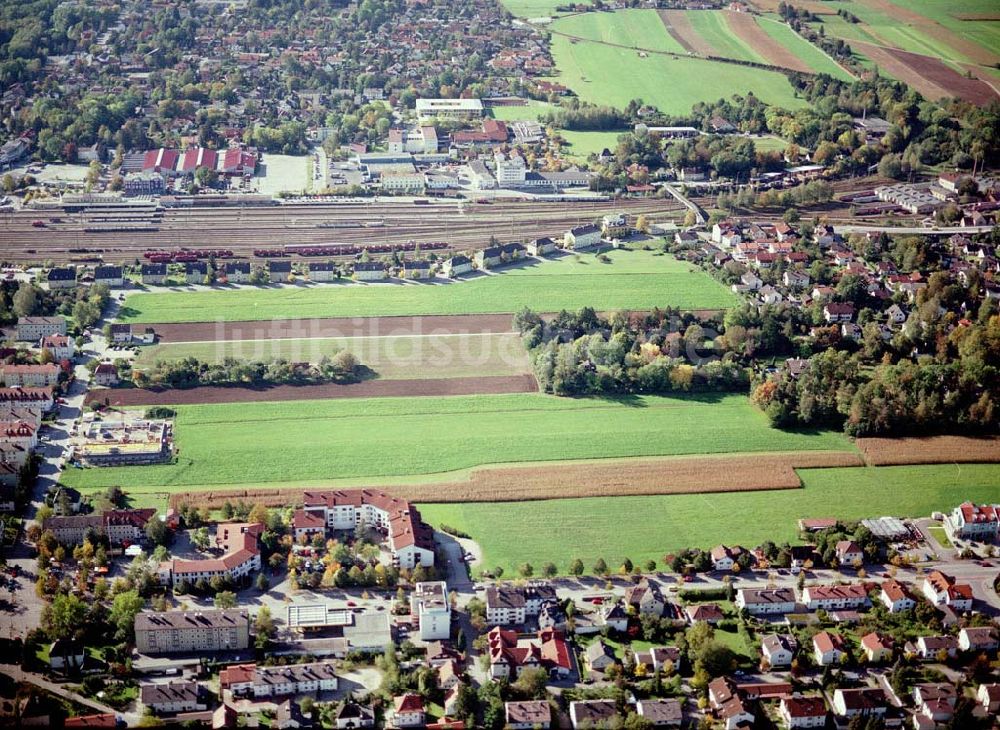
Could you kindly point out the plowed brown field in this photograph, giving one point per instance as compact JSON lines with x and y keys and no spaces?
{"x":925,"y":25}
{"x":746,"y":27}
{"x":367,"y":389}
{"x":678,"y":26}
{"x":930,"y":450}
{"x":700,"y":474}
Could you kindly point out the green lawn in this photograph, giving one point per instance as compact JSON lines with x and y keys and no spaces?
{"x":941,"y":535}
{"x":604,"y":74}
{"x":770,"y":144}
{"x":714,"y":28}
{"x":536,"y":8}
{"x":641,"y":29}
{"x":643,"y":528}
{"x":816,"y":59}
{"x":282,"y":442}
{"x":399,"y":357}
{"x":633,"y":280}
{"x":582,"y":144}
{"x":984,"y":32}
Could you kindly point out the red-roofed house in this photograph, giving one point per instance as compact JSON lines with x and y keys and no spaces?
{"x":511,"y":654}
{"x":942,"y":590}
{"x":408,"y":711}
{"x":828,"y":649}
{"x":973,"y":522}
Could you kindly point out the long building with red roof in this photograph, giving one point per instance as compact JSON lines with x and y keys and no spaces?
{"x":409,"y":538}
{"x":238,"y":542}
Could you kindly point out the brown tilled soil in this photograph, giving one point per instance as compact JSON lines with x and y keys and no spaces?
{"x":813,"y":6}
{"x":944,"y":76}
{"x":368,"y":389}
{"x":332,"y":327}
{"x":887,"y":60}
{"x":698,"y":474}
{"x":925,"y":25}
{"x":745,"y":26}
{"x":930,"y":450}
{"x":678,"y":26}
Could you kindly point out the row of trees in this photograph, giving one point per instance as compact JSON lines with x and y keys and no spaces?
{"x":189,"y":372}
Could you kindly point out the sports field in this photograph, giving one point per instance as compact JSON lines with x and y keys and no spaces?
{"x":582,"y":144}
{"x":604,"y":74}
{"x":644,"y":528}
{"x":631,"y":280}
{"x":396,"y":357}
{"x":530,"y":111}
{"x":405,"y":438}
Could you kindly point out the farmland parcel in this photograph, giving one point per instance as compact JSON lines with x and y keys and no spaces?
{"x":400,"y":438}
{"x":630,"y":280}
{"x":645,"y":528}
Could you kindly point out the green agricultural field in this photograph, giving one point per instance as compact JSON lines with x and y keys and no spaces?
{"x":816,"y":59}
{"x":397,"y":357}
{"x":948,"y":13}
{"x":644,"y":528}
{"x":632,"y":280}
{"x":640,"y":29}
{"x":535,"y":8}
{"x":582,"y":144}
{"x":400,"y":438}
{"x":714,"y":28}
{"x":604,"y":74}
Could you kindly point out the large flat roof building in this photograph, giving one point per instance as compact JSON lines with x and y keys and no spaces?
{"x":449,"y":108}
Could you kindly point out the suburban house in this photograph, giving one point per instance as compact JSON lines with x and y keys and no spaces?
{"x":877,"y":647}
{"x":61,"y":277}
{"x":106,"y":375}
{"x":417,"y":269}
{"x":153,"y":273}
{"x":66,"y":655}
{"x":778,"y":650}
{"x":710,"y":613}
{"x":171,"y":632}
{"x":582,"y":237}
{"x":942,"y":590}
{"x":935,"y":703}
{"x":645,"y":598}
{"x":172,"y":697}
{"x":861,"y":701}
{"x":838,"y":312}
{"x":528,"y":715}
{"x":586,"y":714}
{"x":848,"y":553}
{"x":487,"y":258}
{"x":511,"y":654}
{"x":599,"y":656}
{"x":354,"y":715}
{"x":896,"y":596}
{"x":411,"y":541}
{"x":235,"y":272}
{"x":661,"y":713}
{"x":828,"y":649}
{"x":32,"y":329}
{"x":278,"y":272}
{"x":31,"y":376}
{"x":540,"y":246}
{"x":615,"y":225}
{"x":322,"y":271}
{"x":800,"y":711}
{"x":978,"y":639}
{"x":989,"y":697}
{"x":725,"y":557}
{"x":766,"y":601}
{"x":370,"y":271}
{"x":655,"y":659}
{"x":456,"y":266}
{"x":430,"y":607}
{"x":111,"y":276}
{"x":407,"y":711}
{"x":933,"y":648}
{"x":195,"y":272}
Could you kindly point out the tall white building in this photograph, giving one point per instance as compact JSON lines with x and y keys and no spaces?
{"x":429,"y":606}
{"x":511,"y":170}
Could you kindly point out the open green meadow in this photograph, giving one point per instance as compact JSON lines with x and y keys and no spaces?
{"x":714,"y":28}
{"x":396,"y":357}
{"x":630,"y":280}
{"x":641,"y":29}
{"x":324,"y":440}
{"x":816,"y":59}
{"x":604,"y":74}
{"x":582,"y":144}
{"x":644,"y":528}
{"x":534,"y":8}
{"x":950,"y":14}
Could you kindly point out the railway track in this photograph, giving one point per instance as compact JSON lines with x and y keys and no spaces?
{"x":244,"y":229}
